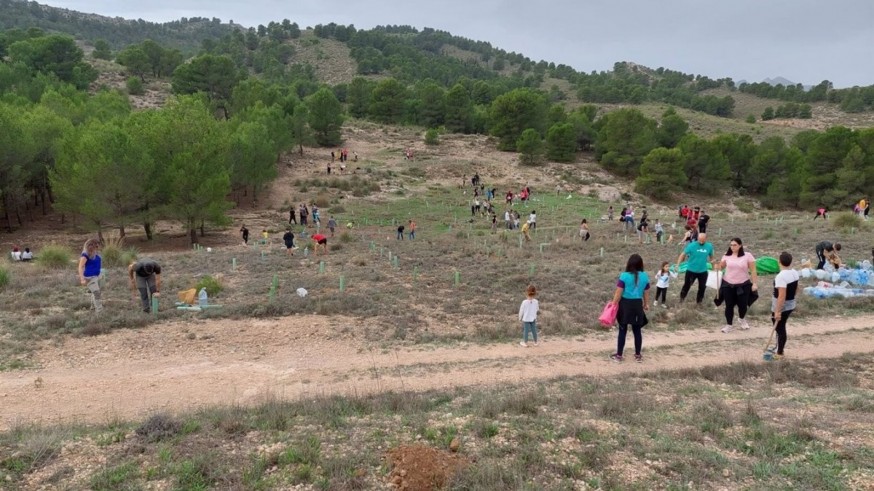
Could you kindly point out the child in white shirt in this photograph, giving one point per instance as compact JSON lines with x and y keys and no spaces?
{"x":528,"y":316}
{"x":663,"y":279}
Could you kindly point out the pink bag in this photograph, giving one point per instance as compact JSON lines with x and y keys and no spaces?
{"x":608,"y":315}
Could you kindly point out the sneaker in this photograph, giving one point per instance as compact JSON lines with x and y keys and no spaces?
{"x":638,"y":358}
{"x":777,"y":357}
{"x":655,"y":304}
{"x":664,"y":305}
{"x":728,"y":328}
{"x":523,"y":344}
{"x":536,"y":343}
{"x":615,"y":357}
{"x":744,"y":324}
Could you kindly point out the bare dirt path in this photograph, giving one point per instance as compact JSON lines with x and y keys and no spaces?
{"x":177,"y":367}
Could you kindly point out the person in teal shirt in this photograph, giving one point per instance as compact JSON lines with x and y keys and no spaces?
{"x":699,"y":254}
{"x":632,"y":297}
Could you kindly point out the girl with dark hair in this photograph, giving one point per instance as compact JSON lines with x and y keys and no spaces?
{"x":738,"y":281}
{"x":632,"y":297}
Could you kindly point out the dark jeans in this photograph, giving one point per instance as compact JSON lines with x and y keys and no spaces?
{"x":781,"y":330}
{"x":661,"y":293}
{"x":820,"y":254}
{"x":146,"y":286}
{"x":687,"y":283}
{"x":731,"y":297}
{"x":638,"y":339}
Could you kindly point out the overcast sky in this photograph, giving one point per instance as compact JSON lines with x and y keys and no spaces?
{"x":805,"y":41}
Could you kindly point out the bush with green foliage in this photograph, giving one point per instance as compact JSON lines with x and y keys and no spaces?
{"x":530,"y":147}
{"x":135,"y":86}
{"x":54,"y":256}
{"x":5,"y":276}
{"x":432,"y":137}
{"x":213,"y":286}
{"x":113,"y":253}
{"x":846,"y":221}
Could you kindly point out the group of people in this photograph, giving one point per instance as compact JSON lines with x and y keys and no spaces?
{"x":18,"y":255}
{"x":303,"y":211}
{"x":737,"y":289}
{"x":144,"y":275}
{"x":642,"y":227}
{"x":410,"y":229}
{"x":320,"y":241}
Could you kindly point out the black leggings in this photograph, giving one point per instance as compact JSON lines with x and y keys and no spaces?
{"x":781,"y":330}
{"x":732,"y":297}
{"x":661,"y":293}
{"x":638,"y":338}
{"x":687,"y":283}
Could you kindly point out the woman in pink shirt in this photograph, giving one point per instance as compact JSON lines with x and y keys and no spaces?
{"x":738,"y":281}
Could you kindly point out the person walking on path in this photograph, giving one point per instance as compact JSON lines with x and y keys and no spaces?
{"x":528,"y":315}
{"x":738,"y":282}
{"x":825,"y":250}
{"x":699,"y":254}
{"x":89,"y":272}
{"x":783,"y":301}
{"x":288,"y":239}
{"x":145,"y":276}
{"x":632,"y":297}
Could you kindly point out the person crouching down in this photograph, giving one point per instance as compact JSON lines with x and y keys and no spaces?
{"x":145,"y":276}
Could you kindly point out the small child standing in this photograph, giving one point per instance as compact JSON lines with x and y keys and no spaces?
{"x":528,"y":316}
{"x":663,"y":279}
{"x":659,"y":231}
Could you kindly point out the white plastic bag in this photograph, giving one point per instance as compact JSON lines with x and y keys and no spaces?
{"x":301,"y":292}
{"x":711,"y":280}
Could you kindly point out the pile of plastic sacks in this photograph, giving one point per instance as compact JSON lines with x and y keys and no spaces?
{"x":843,"y":282}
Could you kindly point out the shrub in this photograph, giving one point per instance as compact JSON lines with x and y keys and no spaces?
{"x":159,"y":427}
{"x":128,"y":256}
{"x":322,"y":201}
{"x":432,"y":137}
{"x":4,"y":276}
{"x":54,"y":256}
{"x":212,"y":285}
{"x":847,"y":220}
{"x":135,"y":86}
{"x":346,"y":237}
{"x":112,"y":253}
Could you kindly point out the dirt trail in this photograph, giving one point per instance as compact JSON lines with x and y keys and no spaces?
{"x":177,"y":367}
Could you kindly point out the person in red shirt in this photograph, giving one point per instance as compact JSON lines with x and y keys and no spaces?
{"x":320,"y":242}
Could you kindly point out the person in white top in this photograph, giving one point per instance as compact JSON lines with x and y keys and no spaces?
{"x":528,"y":316}
{"x":532,"y":219}
{"x":16,"y":254}
{"x":27,"y":255}
{"x":783,"y":302}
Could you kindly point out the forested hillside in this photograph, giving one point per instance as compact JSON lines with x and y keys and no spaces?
{"x":184,"y":34}
{"x":249,"y":95}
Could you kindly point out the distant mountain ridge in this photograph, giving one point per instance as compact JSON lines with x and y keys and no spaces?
{"x":778,"y":81}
